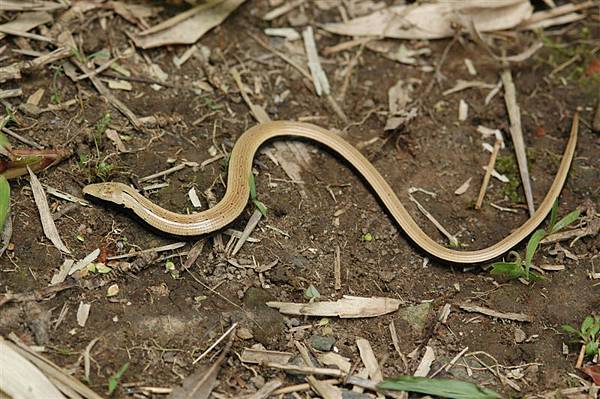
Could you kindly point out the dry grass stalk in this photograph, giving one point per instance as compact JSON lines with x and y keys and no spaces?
{"x":516,"y":133}
{"x":488,"y":174}
{"x":337,"y":269}
{"x":48,"y":225}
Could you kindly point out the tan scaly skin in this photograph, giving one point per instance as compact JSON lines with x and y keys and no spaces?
{"x":236,"y":196}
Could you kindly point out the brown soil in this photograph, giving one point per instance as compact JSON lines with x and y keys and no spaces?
{"x":154,"y":322}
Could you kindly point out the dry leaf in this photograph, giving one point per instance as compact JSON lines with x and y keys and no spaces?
{"x":464,"y":187}
{"x":436,"y":20}
{"x":24,"y":22}
{"x":21,"y":379}
{"x":46,"y":217}
{"x":191,"y":29}
{"x":347,"y":307}
{"x":83,"y":312}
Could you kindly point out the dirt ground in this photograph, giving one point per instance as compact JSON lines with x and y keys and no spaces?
{"x":160,"y":321}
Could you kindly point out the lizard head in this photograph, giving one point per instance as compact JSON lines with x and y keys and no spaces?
{"x":112,"y":192}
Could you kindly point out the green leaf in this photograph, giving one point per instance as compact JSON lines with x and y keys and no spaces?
{"x":311,"y":292}
{"x":594,"y":329}
{"x":367,"y":237}
{"x":5,"y":146}
{"x":445,"y":388}
{"x":588,"y":322}
{"x":252,"y":184}
{"x":114,"y":379}
{"x":565,"y":221}
{"x":534,"y":277}
{"x":569,"y":329}
{"x":532,"y":246}
{"x":511,"y":270}
{"x":260,"y":206}
{"x":4,"y":201}
{"x":102,"y":268}
{"x":553,"y":214}
{"x":591,"y":348}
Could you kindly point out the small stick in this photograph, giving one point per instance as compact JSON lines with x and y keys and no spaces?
{"x":337,"y":269}
{"x":580,"y":357}
{"x":216,"y":343}
{"x":488,"y":174}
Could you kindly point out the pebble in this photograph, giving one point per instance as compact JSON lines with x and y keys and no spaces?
{"x":322,"y":343}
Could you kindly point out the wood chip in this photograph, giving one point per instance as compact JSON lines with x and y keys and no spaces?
{"x":347,"y":307}
{"x":463,"y":187}
{"x":463,"y":110}
{"x":193,"y":196}
{"x":83,"y":312}
{"x":319,"y":77}
{"x":493,"y":313}
{"x":48,"y":225}
{"x":425,"y":364}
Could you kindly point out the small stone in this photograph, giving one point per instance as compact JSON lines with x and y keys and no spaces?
{"x":244,"y":333}
{"x":322,"y":343}
{"x":416,"y":315}
{"x":520,"y":335}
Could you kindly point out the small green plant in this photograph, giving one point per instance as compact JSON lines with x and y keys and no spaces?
{"x":55,"y":98}
{"x":521,"y":268}
{"x":79,"y":55}
{"x":587,"y":334}
{"x":211,"y":104}
{"x":104,"y":170}
{"x":101,"y":127}
{"x":258,"y":204}
{"x":114,"y":379}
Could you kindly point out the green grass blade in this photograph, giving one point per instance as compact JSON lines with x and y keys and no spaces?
{"x":114,"y":379}
{"x":252,"y":184}
{"x":553,"y":215}
{"x":4,"y":201}
{"x":569,"y":329}
{"x":262,"y":208}
{"x":567,"y":220}
{"x":532,"y":246}
{"x":511,"y":270}
{"x":445,"y":388}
